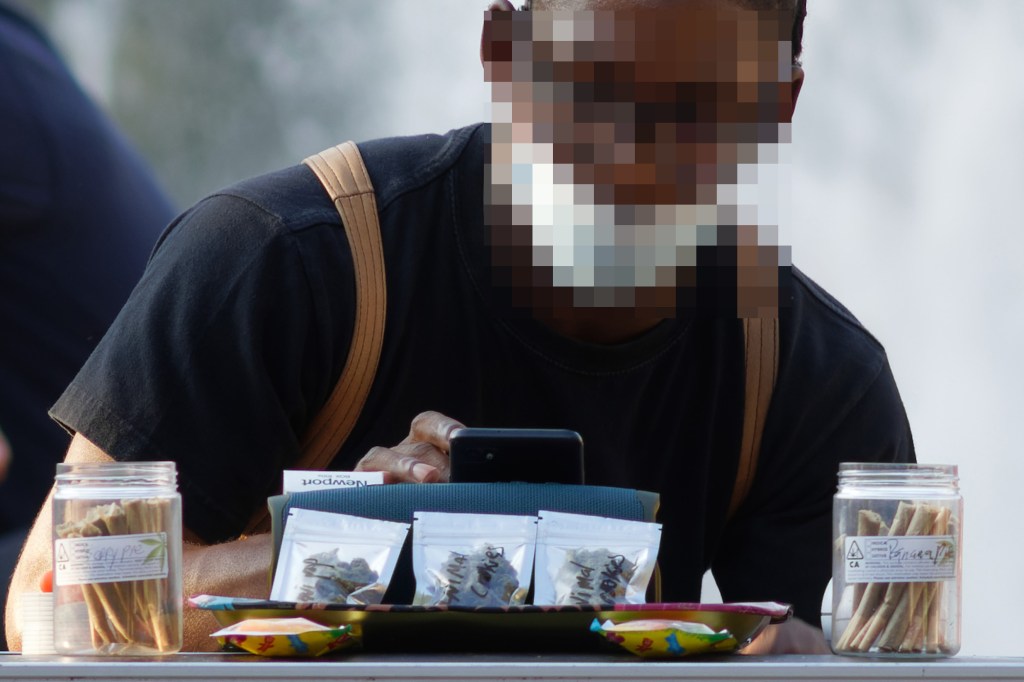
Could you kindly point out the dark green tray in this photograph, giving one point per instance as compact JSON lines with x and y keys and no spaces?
{"x":513,"y":628}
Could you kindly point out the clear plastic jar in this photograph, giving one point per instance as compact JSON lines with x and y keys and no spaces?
{"x":117,"y":559}
{"x":896,"y":567}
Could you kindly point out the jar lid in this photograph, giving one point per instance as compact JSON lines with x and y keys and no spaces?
{"x":882,"y":467}
{"x":898,"y":474}
{"x":157,"y":474}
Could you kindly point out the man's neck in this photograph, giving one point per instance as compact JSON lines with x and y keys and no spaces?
{"x":609,"y":330}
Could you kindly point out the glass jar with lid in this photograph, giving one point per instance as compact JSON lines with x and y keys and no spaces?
{"x":117,"y":559}
{"x":896,"y":567}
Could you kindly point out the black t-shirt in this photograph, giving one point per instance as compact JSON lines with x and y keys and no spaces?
{"x":238,"y":330}
{"x":79,"y":213}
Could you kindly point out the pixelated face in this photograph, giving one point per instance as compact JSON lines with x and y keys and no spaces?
{"x":633,"y":145}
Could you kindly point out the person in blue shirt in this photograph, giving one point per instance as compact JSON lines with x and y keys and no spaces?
{"x":79,"y":213}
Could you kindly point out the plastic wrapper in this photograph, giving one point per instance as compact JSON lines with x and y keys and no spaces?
{"x":336,"y":558}
{"x":665,"y":638}
{"x":472,"y":559}
{"x":593,"y":560}
{"x":285,"y":637}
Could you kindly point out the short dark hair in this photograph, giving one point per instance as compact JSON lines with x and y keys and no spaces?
{"x":797,"y":7}
{"x":799,"y":10}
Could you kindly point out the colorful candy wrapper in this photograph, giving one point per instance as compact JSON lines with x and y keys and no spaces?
{"x":472,"y":559}
{"x":285,"y":637}
{"x":665,"y":638}
{"x":593,"y":560}
{"x":336,"y":558}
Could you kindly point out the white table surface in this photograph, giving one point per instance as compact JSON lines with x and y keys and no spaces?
{"x":502,"y":667}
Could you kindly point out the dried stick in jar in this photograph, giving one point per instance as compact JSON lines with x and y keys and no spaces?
{"x":129,"y":611}
{"x":890,"y":622}
{"x":100,"y":629}
{"x":925,"y":612}
{"x":868,"y":523}
{"x":935,"y":633}
{"x":112,"y":520}
{"x":873,"y":593}
{"x":157,"y":590}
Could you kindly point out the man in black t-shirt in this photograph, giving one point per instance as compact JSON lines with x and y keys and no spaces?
{"x":580,"y":263}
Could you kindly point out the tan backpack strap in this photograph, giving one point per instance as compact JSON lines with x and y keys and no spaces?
{"x":761,"y":356}
{"x":344,"y":176}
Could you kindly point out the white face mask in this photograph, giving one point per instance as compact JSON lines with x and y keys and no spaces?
{"x":603,"y":252}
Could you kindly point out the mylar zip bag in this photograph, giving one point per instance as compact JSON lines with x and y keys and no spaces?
{"x":593,"y":560}
{"x":336,"y":558}
{"x":472,"y":559}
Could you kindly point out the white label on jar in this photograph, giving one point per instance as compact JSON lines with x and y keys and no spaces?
{"x":900,"y":559}
{"x":110,"y":558}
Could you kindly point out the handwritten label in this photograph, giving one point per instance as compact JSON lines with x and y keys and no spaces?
{"x":900,"y":559}
{"x":455,"y":573}
{"x":466,"y":576}
{"x":110,"y":559}
{"x":605,"y":580}
{"x":486,"y":569}
{"x":300,"y":481}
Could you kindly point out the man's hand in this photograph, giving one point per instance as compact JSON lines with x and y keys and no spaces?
{"x":792,"y":637}
{"x":421,"y":458}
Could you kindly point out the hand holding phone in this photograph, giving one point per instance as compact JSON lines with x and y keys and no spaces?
{"x":422,"y":457}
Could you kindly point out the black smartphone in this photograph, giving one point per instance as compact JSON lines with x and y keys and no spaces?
{"x":526,"y":455}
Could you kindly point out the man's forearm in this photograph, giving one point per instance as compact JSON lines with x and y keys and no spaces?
{"x":36,"y":558}
{"x":238,"y":569}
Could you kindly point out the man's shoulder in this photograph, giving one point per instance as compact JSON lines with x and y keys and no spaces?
{"x":399,"y":165}
{"x":291,"y":198}
{"x":819,"y":308}
{"x":824,"y":348}
{"x":294,"y":199}
{"x":835,"y":399}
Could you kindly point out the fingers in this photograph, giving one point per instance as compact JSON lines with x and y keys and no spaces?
{"x":434,"y":428}
{"x":792,"y":637}
{"x":407,"y":463}
{"x":421,"y":458}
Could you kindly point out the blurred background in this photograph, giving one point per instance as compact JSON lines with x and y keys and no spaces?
{"x":908,"y":167}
